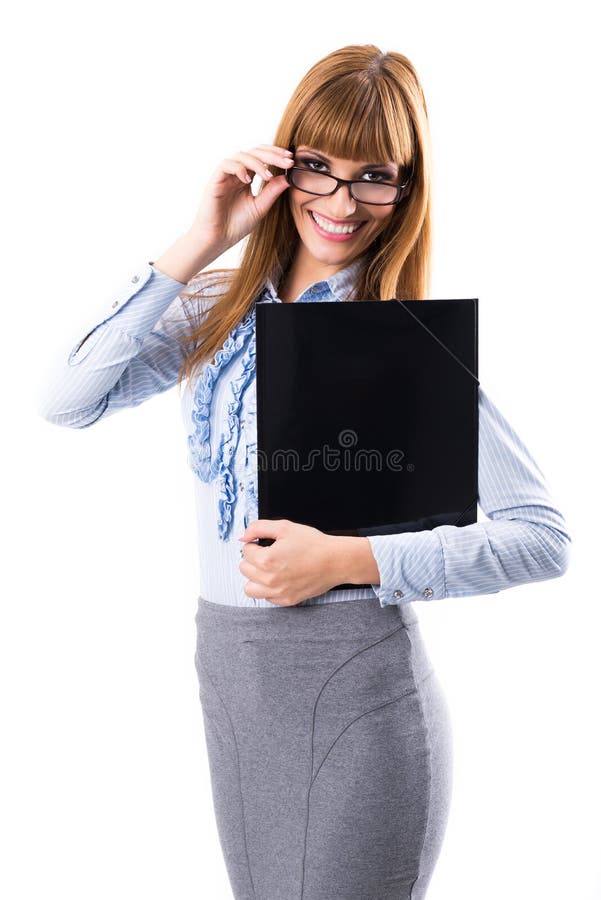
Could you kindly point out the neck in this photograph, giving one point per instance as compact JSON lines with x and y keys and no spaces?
{"x":302,"y":272}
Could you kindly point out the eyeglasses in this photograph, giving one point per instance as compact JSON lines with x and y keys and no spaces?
{"x":376,"y":193}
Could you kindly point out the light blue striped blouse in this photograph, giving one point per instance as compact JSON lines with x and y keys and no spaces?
{"x":134,"y":351}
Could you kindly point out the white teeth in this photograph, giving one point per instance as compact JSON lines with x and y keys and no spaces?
{"x":334,"y":229}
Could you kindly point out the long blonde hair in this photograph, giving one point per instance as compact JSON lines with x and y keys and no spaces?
{"x":356,"y":103}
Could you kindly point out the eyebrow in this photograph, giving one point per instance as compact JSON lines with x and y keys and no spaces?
{"x":387,"y":167}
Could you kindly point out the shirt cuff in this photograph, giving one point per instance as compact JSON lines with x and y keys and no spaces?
{"x":134,"y":309}
{"x":411,"y":566}
{"x":144,"y":307}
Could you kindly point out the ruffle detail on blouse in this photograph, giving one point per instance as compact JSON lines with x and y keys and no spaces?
{"x":228,"y":446}
{"x":199,"y":442}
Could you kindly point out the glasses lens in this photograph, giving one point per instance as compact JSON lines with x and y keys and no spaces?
{"x":321,"y":184}
{"x":314,"y":182}
{"x":372,"y":192}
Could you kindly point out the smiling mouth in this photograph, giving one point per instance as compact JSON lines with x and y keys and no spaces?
{"x":333,"y":228}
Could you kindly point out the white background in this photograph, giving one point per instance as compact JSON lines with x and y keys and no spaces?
{"x":116,"y":115}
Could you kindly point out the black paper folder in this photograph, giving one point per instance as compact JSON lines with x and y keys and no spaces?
{"x":367,"y":414}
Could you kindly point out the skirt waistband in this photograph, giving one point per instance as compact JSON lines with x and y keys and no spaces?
{"x":326,"y":619}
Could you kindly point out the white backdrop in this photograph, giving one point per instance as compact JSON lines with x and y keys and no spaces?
{"x":116,"y":115}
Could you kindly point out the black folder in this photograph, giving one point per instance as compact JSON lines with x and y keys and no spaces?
{"x":367,"y":414}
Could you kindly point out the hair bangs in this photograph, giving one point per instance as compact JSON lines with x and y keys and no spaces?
{"x":357,"y":121}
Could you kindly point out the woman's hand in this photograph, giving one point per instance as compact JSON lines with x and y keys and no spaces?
{"x":228,"y":209}
{"x":302,"y":562}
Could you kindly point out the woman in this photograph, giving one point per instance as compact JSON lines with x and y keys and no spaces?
{"x":328,"y":734}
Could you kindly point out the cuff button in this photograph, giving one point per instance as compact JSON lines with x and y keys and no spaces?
{"x":428,"y":592}
{"x":398,"y":594}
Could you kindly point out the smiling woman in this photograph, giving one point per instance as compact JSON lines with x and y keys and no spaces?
{"x":328,"y":733}
{"x":358,"y":115}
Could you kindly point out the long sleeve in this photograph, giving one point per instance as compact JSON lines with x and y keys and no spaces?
{"x":134,"y":349}
{"x":524,"y":538}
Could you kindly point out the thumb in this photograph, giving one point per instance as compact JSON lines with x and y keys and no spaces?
{"x":269,"y":193}
{"x":261,"y":528}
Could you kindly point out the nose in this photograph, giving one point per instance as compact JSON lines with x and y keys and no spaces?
{"x":341,"y":204}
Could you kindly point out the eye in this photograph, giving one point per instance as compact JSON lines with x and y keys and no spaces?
{"x":308,"y":163}
{"x":380,"y":175}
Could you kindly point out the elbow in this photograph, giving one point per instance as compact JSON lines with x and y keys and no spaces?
{"x":556,"y":545}
{"x":64,"y":422}
{"x":50,"y":415}
{"x":72,"y":418}
{"x":46,"y":412}
{"x":543,"y":541}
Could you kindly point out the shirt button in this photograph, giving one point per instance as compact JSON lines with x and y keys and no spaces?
{"x":135,"y":278}
{"x":428,"y":592}
{"x":116,"y":303}
{"x":242,"y":421}
{"x":398,"y":594}
{"x":241,"y":486}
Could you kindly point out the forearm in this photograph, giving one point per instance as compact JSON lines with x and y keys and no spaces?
{"x":449,"y":561}
{"x":353,"y":560}
{"x":187,"y":256}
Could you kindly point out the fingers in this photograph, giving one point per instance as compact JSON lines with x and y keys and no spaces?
{"x":251,"y":551}
{"x":257,"y":160}
{"x":279,"y":151}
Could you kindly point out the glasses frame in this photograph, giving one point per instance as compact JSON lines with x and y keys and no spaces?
{"x":401,"y":192}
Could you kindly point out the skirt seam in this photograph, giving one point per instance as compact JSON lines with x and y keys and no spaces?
{"x":413,"y":690}
{"x":311,"y":778}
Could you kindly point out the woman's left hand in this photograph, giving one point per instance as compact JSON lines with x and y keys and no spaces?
{"x":301,"y":563}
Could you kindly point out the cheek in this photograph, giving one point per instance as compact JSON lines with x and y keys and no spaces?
{"x":295,"y":200}
{"x":377,"y":219}
{"x":381,"y":221}
{"x":383,"y":216}
{"x":293,"y":207}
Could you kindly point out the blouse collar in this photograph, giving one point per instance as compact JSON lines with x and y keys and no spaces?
{"x":339,"y":285}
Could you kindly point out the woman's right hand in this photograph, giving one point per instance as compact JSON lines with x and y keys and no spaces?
{"x":228,"y":209}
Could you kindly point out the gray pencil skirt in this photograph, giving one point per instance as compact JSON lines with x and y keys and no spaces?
{"x":329,"y":746}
